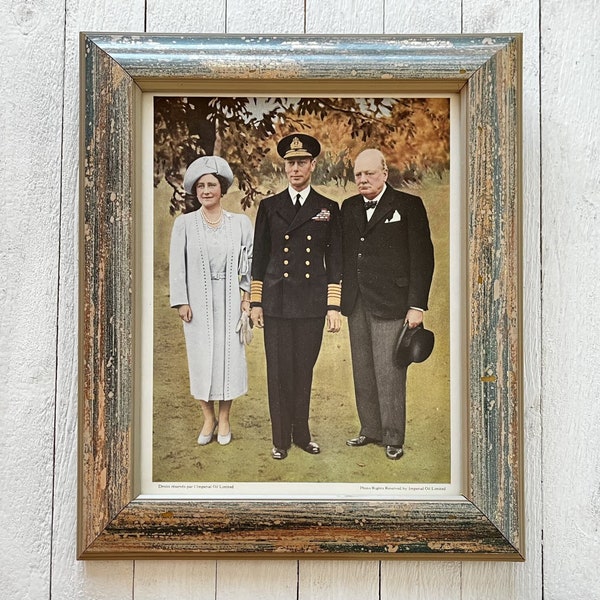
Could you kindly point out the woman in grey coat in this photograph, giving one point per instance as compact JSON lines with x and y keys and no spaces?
{"x":209,"y":268}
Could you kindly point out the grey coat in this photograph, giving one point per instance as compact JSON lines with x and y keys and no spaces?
{"x":190,"y":283}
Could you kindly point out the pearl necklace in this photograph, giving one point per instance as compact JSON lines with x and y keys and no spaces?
{"x":208,"y":221}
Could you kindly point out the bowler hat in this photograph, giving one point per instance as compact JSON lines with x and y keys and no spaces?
{"x":298,"y":145}
{"x":205,"y":165}
{"x":414,"y":345}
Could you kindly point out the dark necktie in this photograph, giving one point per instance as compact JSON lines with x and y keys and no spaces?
{"x":297,"y":204}
{"x":370,"y":204}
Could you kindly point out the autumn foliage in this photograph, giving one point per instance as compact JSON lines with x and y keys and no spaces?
{"x":413,"y":133}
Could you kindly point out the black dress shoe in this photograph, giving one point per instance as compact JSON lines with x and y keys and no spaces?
{"x":361,"y":440}
{"x":311,"y":448}
{"x":278,"y":453}
{"x":394,"y":452}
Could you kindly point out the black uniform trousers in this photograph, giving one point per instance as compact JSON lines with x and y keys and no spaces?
{"x":379,"y":383}
{"x":291,"y":348}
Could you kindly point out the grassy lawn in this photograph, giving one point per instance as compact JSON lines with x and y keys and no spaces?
{"x":177,"y":417}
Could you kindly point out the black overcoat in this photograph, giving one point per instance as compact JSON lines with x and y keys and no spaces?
{"x":388,"y":259}
{"x":296,"y":255}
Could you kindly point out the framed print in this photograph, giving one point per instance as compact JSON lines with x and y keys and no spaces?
{"x":445,"y":113}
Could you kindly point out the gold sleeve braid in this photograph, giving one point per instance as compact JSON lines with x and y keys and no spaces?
{"x":256,"y":288}
{"x":334,"y":295}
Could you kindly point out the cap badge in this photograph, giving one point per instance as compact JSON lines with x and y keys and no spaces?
{"x":296,"y":144}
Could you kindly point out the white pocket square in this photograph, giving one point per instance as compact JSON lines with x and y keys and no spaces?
{"x":394,"y":218}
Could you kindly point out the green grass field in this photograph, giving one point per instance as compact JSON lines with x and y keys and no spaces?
{"x":177,"y":417}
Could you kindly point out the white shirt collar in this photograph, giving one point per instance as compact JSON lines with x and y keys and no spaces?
{"x":303,"y":193}
{"x":378,"y":197}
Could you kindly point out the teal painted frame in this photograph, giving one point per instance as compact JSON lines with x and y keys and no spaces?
{"x":114,"y":521}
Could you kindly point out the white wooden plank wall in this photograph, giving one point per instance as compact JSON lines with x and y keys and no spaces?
{"x":38,"y":304}
{"x":30,"y":173}
{"x":570,"y":89}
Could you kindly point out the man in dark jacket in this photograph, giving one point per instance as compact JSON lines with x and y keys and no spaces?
{"x":387,"y":272}
{"x":296,"y":273}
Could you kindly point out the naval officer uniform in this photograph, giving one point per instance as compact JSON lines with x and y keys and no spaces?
{"x":296,"y":275}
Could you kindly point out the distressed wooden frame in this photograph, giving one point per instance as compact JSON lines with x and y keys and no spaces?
{"x":114,"y":521}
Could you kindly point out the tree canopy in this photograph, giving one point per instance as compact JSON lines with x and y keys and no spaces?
{"x":413,"y":134}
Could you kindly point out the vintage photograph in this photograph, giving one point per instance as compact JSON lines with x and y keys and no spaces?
{"x":301,"y":291}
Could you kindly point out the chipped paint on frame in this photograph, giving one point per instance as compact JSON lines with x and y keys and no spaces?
{"x":488,"y":521}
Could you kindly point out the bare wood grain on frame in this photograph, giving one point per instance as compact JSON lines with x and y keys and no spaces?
{"x":106,"y":307}
{"x":487,"y":522}
{"x":494,"y":282}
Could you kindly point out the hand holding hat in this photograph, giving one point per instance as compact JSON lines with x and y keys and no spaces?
{"x":414,"y":345}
